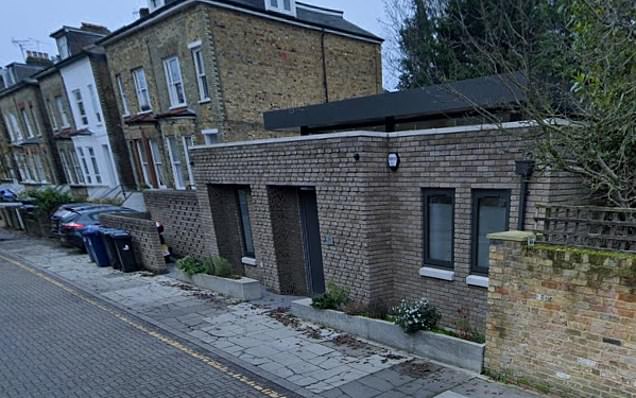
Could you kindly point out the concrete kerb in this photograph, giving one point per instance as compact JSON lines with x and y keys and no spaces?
{"x":444,"y":349}
{"x":256,"y":372}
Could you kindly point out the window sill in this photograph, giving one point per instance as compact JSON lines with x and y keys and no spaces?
{"x":178,"y":106}
{"x":144,"y":112}
{"x":436,"y":273}
{"x":249,"y":261}
{"x":205,"y":101}
{"x":478,"y":281}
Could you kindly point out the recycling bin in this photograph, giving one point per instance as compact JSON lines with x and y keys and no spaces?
{"x":96,"y":245}
{"x":125,"y":253}
{"x":109,"y":244}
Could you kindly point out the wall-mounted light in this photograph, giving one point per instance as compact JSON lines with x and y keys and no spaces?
{"x":393,"y":161}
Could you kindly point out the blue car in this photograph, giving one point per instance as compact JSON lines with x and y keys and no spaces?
{"x":73,"y":223}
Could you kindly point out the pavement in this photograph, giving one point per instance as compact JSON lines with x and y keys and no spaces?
{"x":258,"y":340}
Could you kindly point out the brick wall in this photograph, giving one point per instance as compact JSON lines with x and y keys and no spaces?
{"x":178,"y":212}
{"x":145,"y":239}
{"x":563,"y":319}
{"x":370,"y":217}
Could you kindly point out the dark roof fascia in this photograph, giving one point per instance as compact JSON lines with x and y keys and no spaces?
{"x":66,"y":28}
{"x":489,"y":92}
{"x":169,"y":9}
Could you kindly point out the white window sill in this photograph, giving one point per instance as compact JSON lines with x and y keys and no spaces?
{"x":436,"y":273}
{"x":178,"y":106}
{"x":476,"y":280}
{"x":144,"y":112}
{"x":205,"y":101}
{"x":249,"y":261}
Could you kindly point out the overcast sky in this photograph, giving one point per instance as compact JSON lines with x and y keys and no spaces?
{"x":34,"y":20}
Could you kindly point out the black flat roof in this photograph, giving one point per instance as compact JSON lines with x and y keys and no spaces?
{"x":491,"y":92}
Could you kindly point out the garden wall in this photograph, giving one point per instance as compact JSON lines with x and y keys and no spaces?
{"x":178,"y":212}
{"x":145,"y":239}
{"x":561,"y":319}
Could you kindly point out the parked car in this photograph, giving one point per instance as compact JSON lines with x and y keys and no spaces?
{"x":66,"y":211}
{"x":7,"y":195}
{"x":74,"y":222}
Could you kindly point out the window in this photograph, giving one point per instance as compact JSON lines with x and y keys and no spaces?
{"x":187,"y":144}
{"x":62,"y":47}
{"x":122,"y":95}
{"x":7,"y":123}
{"x":98,"y":176}
{"x":15,"y":127}
{"x":246,"y":226}
{"x":282,"y":6}
{"x":95,"y":103}
{"x":39,"y":168}
{"x":199,"y":68}
{"x":79,"y":102}
{"x":36,"y":123}
{"x":157,"y":163}
{"x":143,"y":159}
{"x":75,"y":165}
{"x":143,"y":96}
{"x":66,"y":168}
{"x":210,"y":136}
{"x":439,"y":221}
{"x":175,"y":160}
{"x":154,"y":4}
{"x":27,"y":123}
{"x":175,"y":82}
{"x":491,"y":211}
{"x":59,"y":101}
{"x":52,"y":116}
{"x":87,"y":172}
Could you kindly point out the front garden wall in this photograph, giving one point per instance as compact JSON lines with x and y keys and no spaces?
{"x":562,"y":319}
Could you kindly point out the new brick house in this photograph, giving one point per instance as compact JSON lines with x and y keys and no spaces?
{"x":390,"y":196}
{"x":27,"y":143}
{"x":201,"y":71}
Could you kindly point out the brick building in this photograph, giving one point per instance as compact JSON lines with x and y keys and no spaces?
{"x":394,"y":211}
{"x":27,"y":146}
{"x":196,"y":72}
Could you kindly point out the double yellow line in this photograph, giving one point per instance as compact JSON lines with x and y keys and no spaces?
{"x":167,"y":340}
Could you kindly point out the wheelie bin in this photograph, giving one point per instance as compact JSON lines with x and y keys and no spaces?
{"x":96,"y":245}
{"x":125,"y":253}
{"x":109,"y":244}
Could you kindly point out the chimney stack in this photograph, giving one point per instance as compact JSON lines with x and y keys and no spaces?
{"x":38,"y":58}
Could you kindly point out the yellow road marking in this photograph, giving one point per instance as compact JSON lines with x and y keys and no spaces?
{"x":167,"y":340}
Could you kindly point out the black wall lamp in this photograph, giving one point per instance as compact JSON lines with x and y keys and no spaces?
{"x":393,"y":161}
{"x":524,"y":169}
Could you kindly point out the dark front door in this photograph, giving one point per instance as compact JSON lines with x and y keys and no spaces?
{"x":311,"y":238}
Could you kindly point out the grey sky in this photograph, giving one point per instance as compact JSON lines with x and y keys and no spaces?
{"x":36,"y":19}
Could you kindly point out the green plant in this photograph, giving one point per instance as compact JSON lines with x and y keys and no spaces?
{"x":208,"y":264}
{"x":334,"y":299}
{"x":191,"y":266}
{"x":222,"y":267}
{"x":412,"y":316}
{"x":376,"y":309}
{"x":465,"y":330}
{"x":47,"y":200}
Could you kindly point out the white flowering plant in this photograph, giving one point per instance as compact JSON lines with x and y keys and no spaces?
{"x":416,"y":315}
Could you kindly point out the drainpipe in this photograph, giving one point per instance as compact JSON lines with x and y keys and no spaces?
{"x":324,"y":65}
{"x":524,"y":169}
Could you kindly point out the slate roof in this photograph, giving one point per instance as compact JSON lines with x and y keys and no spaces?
{"x":491,"y":92}
{"x":306,"y":13}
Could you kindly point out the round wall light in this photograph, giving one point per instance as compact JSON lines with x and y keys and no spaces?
{"x":393,"y":161}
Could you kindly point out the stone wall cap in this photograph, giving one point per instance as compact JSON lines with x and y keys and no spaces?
{"x":513,"y":236}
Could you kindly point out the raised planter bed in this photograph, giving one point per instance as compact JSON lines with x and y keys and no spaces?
{"x":244,"y":288}
{"x":445,"y":349}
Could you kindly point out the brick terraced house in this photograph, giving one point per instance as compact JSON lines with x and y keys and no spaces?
{"x":192,"y":72}
{"x":390,"y":196}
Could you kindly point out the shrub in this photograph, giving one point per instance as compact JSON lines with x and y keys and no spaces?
{"x":208,"y":264}
{"x":334,"y":299}
{"x":412,"y":316}
{"x":191,"y":266}
{"x":47,"y":200}
{"x":222,"y":267}
{"x":376,"y":309}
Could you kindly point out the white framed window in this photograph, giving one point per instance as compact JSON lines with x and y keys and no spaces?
{"x":175,"y":161}
{"x":187,"y":144}
{"x":141,"y":86}
{"x":210,"y":136}
{"x":122,"y":95}
{"x":12,"y":132}
{"x":59,"y":102}
{"x":62,"y":47}
{"x":174,"y":81}
{"x":75,"y":165}
{"x":95,"y":103}
{"x":36,"y":124}
{"x":199,"y":68}
{"x":154,"y":4}
{"x":69,"y":170}
{"x":143,"y":159}
{"x":157,"y":163}
{"x":281,"y":6}
{"x":49,"y":109}
{"x":96,"y":172}
{"x":81,"y":109}
{"x":24,"y":171}
{"x":27,"y":123}
{"x":87,"y":172}
{"x":39,"y":168}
